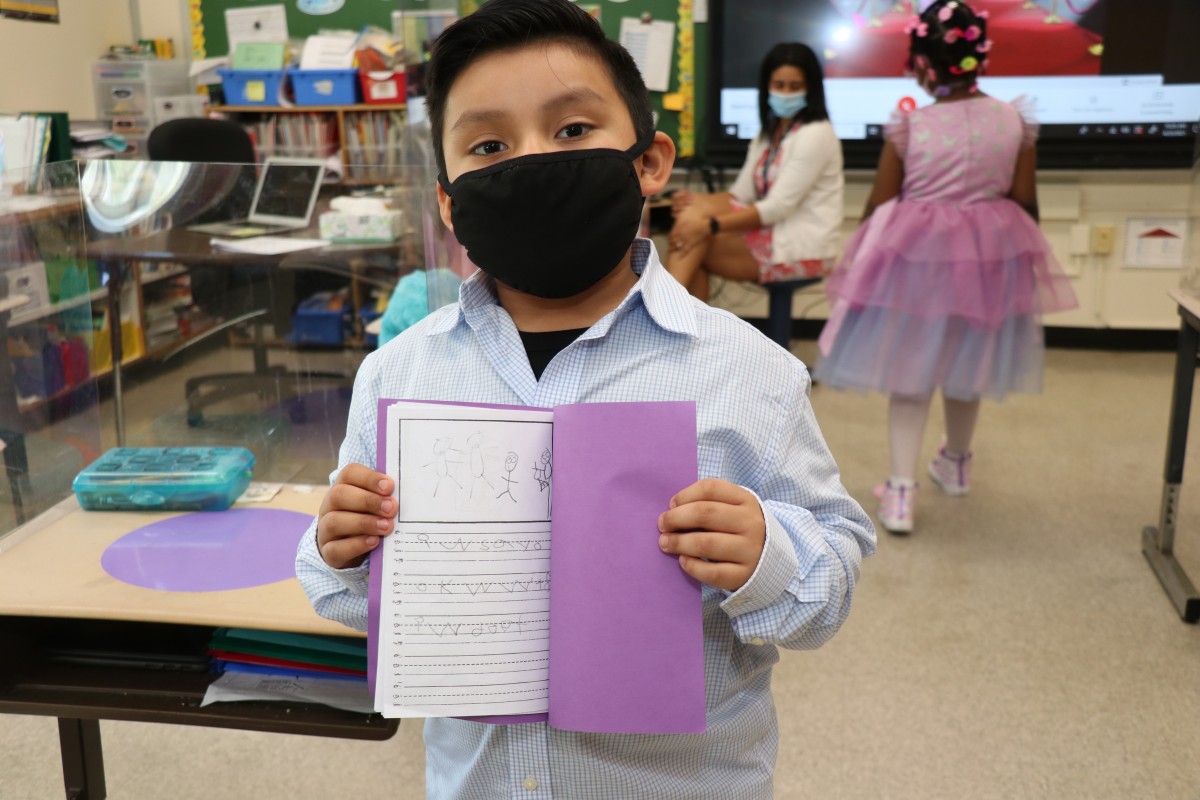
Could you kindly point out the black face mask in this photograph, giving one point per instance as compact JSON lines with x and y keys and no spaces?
{"x":550,"y":224}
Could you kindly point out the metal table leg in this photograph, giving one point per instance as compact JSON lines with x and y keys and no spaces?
{"x":82,"y":759}
{"x":1158,"y":544}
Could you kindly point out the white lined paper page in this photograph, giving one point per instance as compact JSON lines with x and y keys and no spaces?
{"x":464,"y":608}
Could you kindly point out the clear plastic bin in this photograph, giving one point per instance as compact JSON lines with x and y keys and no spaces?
{"x":165,"y":479}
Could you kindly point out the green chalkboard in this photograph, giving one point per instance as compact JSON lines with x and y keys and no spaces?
{"x":356,"y":13}
{"x":667,"y":10}
{"x":351,"y":16}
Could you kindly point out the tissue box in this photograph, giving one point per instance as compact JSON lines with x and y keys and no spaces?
{"x":346,"y":227}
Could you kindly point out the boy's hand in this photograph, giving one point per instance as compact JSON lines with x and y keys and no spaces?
{"x":356,"y":513}
{"x":717,"y":530}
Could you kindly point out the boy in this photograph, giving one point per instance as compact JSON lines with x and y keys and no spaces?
{"x":546,"y":148}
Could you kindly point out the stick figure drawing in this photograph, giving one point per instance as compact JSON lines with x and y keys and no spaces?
{"x":510,"y":463}
{"x":442,"y":448}
{"x":543,"y":473}
{"x":475,"y":444}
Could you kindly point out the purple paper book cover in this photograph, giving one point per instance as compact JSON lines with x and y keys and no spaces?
{"x":626,"y":626}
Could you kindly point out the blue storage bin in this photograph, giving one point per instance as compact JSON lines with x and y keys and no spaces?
{"x":318,"y":321}
{"x":325,"y":87}
{"x":251,"y":87}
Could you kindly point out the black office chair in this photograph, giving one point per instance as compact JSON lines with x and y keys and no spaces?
{"x":201,"y":140}
{"x":216,"y":141}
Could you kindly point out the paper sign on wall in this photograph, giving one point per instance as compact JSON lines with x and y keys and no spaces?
{"x":650,"y":44}
{"x":256,"y":24}
{"x":1156,"y":243}
{"x":320,"y":7}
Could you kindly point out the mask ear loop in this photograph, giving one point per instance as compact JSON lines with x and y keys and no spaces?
{"x":641,"y":145}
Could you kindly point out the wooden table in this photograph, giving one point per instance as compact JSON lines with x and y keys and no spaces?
{"x":1158,"y":543}
{"x":53,"y":591}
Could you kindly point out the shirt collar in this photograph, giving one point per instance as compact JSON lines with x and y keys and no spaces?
{"x":665,"y":299}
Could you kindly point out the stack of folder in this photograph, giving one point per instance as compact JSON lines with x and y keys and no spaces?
{"x":277,"y":653}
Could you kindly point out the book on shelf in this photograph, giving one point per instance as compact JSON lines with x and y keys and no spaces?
{"x":464,"y":617}
{"x":373,"y":142}
{"x":308,"y":134}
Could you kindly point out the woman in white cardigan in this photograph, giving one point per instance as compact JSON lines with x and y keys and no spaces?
{"x":780,"y":220}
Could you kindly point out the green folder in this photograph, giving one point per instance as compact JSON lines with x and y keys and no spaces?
{"x":346,"y":645}
{"x":259,"y":55}
{"x":299,"y":654}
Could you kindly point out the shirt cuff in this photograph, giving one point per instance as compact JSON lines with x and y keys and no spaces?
{"x":774,"y":572}
{"x":355,"y":579}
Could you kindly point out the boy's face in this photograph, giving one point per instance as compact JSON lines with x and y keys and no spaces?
{"x":537,"y":99}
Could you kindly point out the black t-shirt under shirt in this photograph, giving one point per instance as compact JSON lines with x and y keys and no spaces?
{"x":541,"y":348}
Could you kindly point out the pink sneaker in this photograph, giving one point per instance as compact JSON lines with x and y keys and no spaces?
{"x":952,"y":475}
{"x":896,"y":506}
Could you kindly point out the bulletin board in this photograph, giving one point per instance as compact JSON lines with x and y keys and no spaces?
{"x":208,"y":25}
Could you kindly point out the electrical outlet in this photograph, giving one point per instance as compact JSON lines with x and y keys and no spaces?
{"x":1104,"y":239}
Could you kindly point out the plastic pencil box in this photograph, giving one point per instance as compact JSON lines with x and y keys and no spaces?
{"x":165,"y":479}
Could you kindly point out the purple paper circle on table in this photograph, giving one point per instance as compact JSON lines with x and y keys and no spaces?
{"x":209,"y":551}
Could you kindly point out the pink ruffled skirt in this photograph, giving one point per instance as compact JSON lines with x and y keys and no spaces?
{"x":942,"y":296}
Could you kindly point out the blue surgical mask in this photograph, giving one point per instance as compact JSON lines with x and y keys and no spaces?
{"x":786,"y":106}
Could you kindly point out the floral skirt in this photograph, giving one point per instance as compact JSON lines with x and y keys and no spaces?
{"x":759,"y":241}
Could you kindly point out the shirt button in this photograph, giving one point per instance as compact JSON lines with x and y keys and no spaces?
{"x":530,"y":783}
{"x":757,"y":641}
{"x":739,"y":601}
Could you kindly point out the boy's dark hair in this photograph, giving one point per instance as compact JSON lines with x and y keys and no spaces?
{"x":954,"y":40}
{"x":506,"y":24}
{"x":792,"y":54}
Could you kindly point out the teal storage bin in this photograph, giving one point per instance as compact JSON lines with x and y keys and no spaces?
{"x":325,"y":87}
{"x":165,"y":479}
{"x":251,"y":87}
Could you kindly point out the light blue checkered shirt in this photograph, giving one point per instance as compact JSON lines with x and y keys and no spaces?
{"x":756,"y":429}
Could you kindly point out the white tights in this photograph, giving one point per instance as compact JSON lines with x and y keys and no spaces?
{"x":906,"y":428}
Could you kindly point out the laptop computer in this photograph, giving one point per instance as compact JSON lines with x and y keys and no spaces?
{"x":284,"y":199}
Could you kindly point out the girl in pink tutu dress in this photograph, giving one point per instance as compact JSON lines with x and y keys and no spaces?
{"x":944,"y":285}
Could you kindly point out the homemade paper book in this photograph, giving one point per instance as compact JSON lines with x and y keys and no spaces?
{"x":524,"y":580}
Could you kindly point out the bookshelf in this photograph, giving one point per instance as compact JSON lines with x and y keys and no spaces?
{"x":367,"y":135}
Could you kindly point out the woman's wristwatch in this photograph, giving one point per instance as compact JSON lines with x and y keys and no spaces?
{"x":713,"y":226}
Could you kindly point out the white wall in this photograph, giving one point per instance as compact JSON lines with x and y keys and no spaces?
{"x":1110,"y":294}
{"x":164,"y":19}
{"x":45,"y":67}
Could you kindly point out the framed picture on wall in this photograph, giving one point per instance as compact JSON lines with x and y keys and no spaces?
{"x":31,"y":10}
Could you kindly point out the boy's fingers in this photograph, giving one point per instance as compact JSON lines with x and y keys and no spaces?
{"x":712,"y":489}
{"x":348,"y":552}
{"x":345,"y":497}
{"x":730,"y":577}
{"x":705,"y":515}
{"x":365,"y":478}
{"x":342,"y":524}
{"x":717,"y":547}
